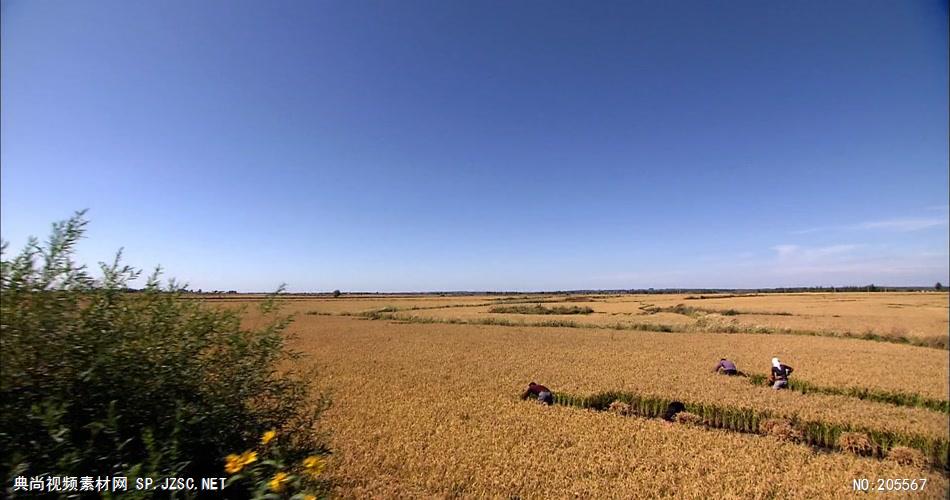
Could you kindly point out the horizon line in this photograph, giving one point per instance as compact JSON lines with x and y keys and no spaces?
{"x":669,"y":290}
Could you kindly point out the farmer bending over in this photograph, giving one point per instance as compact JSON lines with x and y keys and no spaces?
{"x":672,"y":409}
{"x":726,"y":367}
{"x":780,"y":373}
{"x":539,"y":391}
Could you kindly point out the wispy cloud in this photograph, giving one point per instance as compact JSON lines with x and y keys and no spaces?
{"x":792,"y":264}
{"x":818,"y":229}
{"x":852,"y":263}
{"x":904,"y":224}
{"x":787,"y":252}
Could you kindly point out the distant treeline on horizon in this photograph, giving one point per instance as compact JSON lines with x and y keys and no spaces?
{"x":632,"y":291}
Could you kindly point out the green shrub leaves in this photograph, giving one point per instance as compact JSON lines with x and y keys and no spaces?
{"x":97,"y":380}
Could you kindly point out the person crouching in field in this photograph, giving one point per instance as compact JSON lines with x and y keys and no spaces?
{"x":672,"y":410}
{"x":780,"y":373}
{"x":727,"y":367}
{"x":539,"y":391}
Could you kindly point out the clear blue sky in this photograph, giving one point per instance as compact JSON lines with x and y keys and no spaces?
{"x":484,"y":145}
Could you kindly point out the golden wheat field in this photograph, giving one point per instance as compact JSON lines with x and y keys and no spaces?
{"x":915,"y":316}
{"x":425,"y":393}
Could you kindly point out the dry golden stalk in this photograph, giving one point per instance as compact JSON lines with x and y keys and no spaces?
{"x":687,"y":418}
{"x":907,"y":456}
{"x":856,"y":442}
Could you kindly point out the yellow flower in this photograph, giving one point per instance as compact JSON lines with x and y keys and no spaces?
{"x":249,"y":457}
{"x":309,"y":497}
{"x":233,"y":464}
{"x":268,"y":436}
{"x":314,"y":465}
{"x":277,"y":482}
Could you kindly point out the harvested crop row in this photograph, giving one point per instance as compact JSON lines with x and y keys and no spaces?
{"x":896,"y":398}
{"x":703,"y":325}
{"x":748,"y":420}
{"x":539,"y":309}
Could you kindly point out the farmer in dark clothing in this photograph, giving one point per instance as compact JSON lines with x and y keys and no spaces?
{"x":780,"y":373}
{"x":726,"y":367}
{"x":539,"y":391}
{"x":672,"y":409}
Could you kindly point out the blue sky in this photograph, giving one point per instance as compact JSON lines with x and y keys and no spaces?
{"x":412,"y":145}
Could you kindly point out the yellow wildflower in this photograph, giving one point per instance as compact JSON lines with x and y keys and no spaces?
{"x":268,"y":436}
{"x":277,"y":482}
{"x":233,"y":464}
{"x":314,"y":465}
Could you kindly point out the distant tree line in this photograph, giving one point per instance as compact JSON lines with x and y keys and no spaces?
{"x":638,"y":291}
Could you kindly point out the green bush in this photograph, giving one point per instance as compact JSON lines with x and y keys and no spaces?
{"x":96,"y":380}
